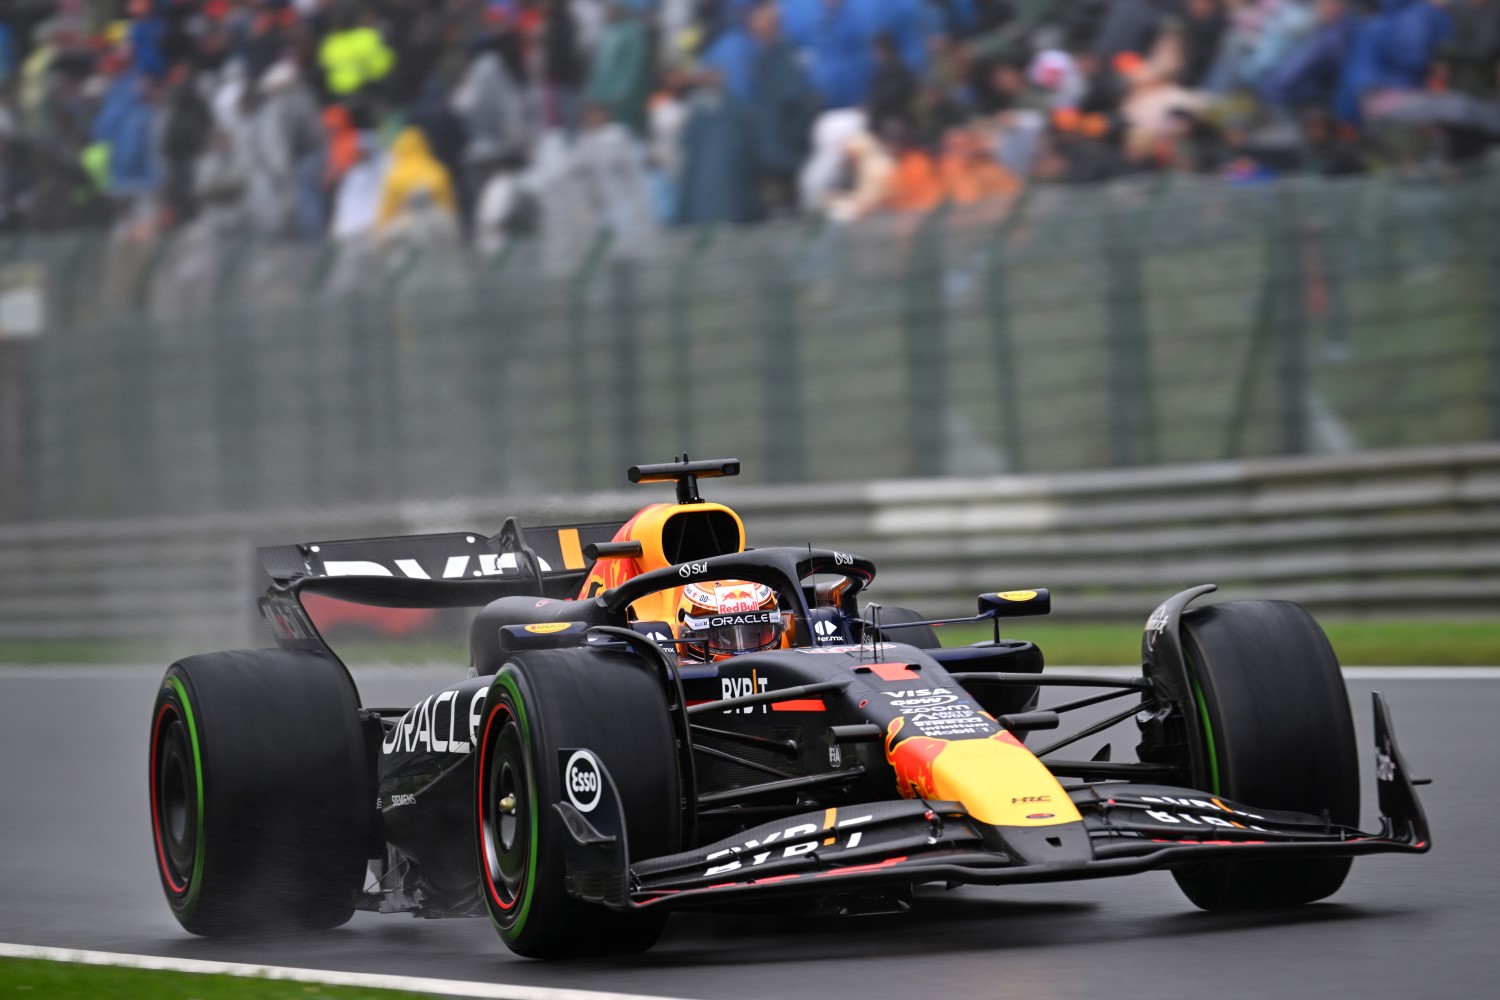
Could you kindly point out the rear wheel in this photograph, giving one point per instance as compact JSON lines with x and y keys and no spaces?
{"x":1278,"y":734}
{"x":261,"y":799}
{"x":541,"y":702}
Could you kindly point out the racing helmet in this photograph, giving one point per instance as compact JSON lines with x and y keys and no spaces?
{"x":727,"y":617}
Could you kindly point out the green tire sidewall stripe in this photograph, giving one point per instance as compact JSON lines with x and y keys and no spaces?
{"x":1208,"y":728}
{"x":195,"y":882}
{"x":507,"y":680}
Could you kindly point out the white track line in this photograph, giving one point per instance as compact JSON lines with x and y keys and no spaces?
{"x":1421,"y":673}
{"x":412,"y":984}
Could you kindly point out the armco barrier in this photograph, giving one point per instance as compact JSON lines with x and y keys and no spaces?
{"x":1405,"y":532}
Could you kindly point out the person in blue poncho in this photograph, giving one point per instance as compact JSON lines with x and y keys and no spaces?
{"x":717,"y":183}
{"x":125,"y":124}
{"x":838,"y":49}
{"x":782,"y":110}
{"x":733,"y":56}
{"x":147,"y":34}
{"x":1310,"y":73}
{"x":772,"y":97}
{"x":7,"y":53}
{"x":905,"y":22}
{"x":1393,"y":50}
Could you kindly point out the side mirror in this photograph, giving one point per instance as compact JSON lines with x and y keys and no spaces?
{"x":1015,"y":604}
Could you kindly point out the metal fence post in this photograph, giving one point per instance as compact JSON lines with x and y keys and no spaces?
{"x":394,"y":420}
{"x":578,"y":323}
{"x":1490,"y":245}
{"x":1002,"y":338}
{"x":1280,"y":324}
{"x":325,"y":262}
{"x":237,"y":472}
{"x":1492,"y":252}
{"x":1131,"y":419}
{"x":925,"y":329}
{"x":781,"y":380}
{"x":1291,"y":344}
{"x":69,"y":297}
{"x":13,"y":405}
{"x":147,"y":475}
{"x":315,"y":350}
{"x":487,"y":381}
{"x":1335,"y":237}
{"x":682,"y":338}
{"x":161,"y":248}
{"x":14,"y":408}
{"x":626,"y":374}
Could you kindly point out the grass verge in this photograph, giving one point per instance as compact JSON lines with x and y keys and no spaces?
{"x":1427,"y":642}
{"x":1422,"y":642}
{"x":20,"y":978}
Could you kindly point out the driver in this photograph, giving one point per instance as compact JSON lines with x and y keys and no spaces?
{"x":726,"y":618}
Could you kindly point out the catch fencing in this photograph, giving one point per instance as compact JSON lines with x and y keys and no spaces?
{"x":1398,"y":533}
{"x":1161,"y":321}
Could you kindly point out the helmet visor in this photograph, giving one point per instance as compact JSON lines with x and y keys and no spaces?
{"x":743,"y":638}
{"x":726,"y":635}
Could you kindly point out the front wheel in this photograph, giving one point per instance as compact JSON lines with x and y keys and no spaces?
{"x":541,"y":702}
{"x":1277,"y":734}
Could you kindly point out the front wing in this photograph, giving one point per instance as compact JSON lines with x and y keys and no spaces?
{"x":1125,"y":828}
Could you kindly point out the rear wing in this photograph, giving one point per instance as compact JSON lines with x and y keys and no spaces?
{"x":438,"y":570}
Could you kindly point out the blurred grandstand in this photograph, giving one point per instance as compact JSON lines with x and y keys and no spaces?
{"x":452,"y":121}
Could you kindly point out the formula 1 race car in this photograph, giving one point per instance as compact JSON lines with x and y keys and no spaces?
{"x":658,"y":717}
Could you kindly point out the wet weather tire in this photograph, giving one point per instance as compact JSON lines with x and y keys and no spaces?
{"x":611,"y":704}
{"x":261,"y":798}
{"x":1268,"y":689}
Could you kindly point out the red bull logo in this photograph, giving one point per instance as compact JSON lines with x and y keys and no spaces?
{"x":913,"y":758}
{"x":734,"y":598}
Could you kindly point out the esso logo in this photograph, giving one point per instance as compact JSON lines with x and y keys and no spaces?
{"x":581,"y":781}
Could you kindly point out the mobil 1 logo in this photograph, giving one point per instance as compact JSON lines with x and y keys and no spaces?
{"x":582,"y":778}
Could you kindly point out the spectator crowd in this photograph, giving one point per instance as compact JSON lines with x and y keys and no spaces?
{"x":481,"y":120}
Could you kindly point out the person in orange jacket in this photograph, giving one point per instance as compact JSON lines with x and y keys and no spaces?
{"x":968,"y":173}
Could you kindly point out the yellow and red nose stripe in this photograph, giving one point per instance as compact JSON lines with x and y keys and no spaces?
{"x":997,"y":779}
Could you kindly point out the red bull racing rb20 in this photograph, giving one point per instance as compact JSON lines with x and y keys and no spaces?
{"x":658,"y":717}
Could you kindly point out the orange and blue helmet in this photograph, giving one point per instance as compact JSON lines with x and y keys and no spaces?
{"x":726,"y":618}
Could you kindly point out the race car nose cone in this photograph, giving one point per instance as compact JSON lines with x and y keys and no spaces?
{"x":999,"y":781}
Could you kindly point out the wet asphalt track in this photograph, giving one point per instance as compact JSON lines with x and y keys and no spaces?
{"x":76,"y":871}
